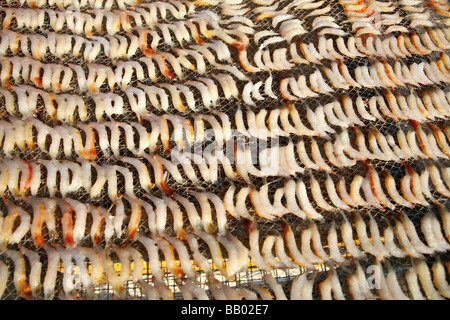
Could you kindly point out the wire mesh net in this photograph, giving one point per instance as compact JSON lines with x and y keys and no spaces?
{"x":216,"y":34}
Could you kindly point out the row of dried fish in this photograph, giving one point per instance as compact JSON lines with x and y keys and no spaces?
{"x":149,"y":14}
{"x":339,"y":49}
{"x":429,"y":104}
{"x":306,"y":252}
{"x":375,"y":74}
{"x":412,"y":6}
{"x":425,"y":104}
{"x":94,"y":4}
{"x":304,"y":198}
{"x":343,"y":148}
{"x":435,"y":39}
{"x":97,"y":21}
{"x":128,"y":45}
{"x":421,"y":284}
{"x":100,"y":261}
{"x":123,"y":47}
{"x":367,"y":17}
{"x":75,"y":222}
{"x":286,"y":57}
{"x":93,"y":20}
{"x":144,"y":42}
{"x":21,"y":177}
{"x":398,"y":238}
{"x":187,"y":31}
{"x":59,"y":78}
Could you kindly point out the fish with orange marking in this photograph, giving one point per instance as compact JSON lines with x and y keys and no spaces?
{"x":168,"y":252}
{"x":21,"y":284}
{"x":96,"y":228}
{"x":423,"y":140}
{"x":36,"y":226}
{"x":67,"y":222}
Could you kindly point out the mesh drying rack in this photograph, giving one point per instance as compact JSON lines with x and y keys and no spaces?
{"x":225,"y":28}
